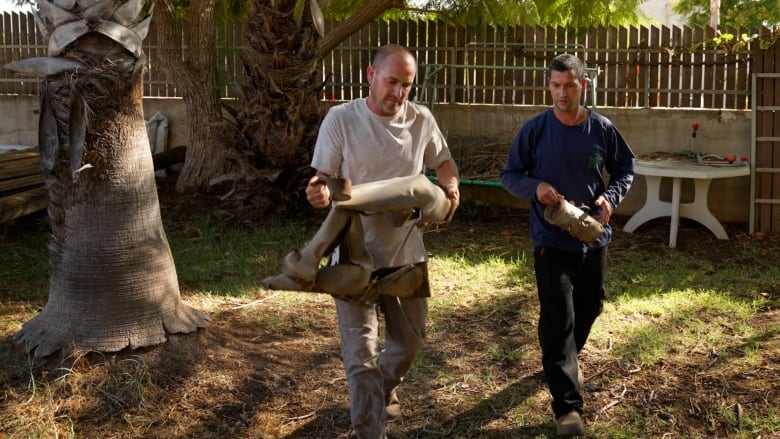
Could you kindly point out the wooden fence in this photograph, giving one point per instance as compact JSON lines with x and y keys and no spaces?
{"x":765,"y":144}
{"x":630,"y":67}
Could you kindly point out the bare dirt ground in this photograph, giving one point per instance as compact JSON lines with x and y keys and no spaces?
{"x":264,"y":370}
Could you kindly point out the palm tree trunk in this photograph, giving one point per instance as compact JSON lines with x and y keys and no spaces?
{"x":280,"y":106}
{"x":113,"y":282}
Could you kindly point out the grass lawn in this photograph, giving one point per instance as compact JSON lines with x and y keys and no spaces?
{"x":687,"y":346}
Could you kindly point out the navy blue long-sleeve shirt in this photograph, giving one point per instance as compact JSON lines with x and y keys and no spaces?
{"x":573,"y":159}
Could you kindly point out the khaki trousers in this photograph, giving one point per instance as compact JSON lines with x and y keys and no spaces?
{"x":374,"y":370}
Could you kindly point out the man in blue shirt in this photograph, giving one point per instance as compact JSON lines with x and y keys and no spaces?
{"x":560,"y":155}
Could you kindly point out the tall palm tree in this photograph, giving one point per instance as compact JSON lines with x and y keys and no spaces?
{"x":113,"y":282}
{"x":279,"y":103}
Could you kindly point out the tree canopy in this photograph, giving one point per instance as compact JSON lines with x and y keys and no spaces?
{"x":733,"y":13}
{"x":568,"y":13}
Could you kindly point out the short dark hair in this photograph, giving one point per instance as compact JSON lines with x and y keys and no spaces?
{"x":565,"y":63}
{"x":387,"y":50}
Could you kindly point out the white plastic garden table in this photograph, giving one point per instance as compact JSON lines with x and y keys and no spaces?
{"x":697,"y":210}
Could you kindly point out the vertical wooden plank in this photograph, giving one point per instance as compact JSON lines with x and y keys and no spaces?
{"x":573,"y":46}
{"x":413,"y":44}
{"x":472,"y":56}
{"x":773,"y":130}
{"x":401,"y":32}
{"x":537,"y":60}
{"x":734,"y":84}
{"x":6,"y":75}
{"x":698,"y":68}
{"x":588,"y":58}
{"x":487,"y":83}
{"x":514,"y":59}
{"x":664,"y":66}
{"x":621,"y":60}
{"x":743,"y":83}
{"x":690,"y":82}
{"x":442,"y":58}
{"x":764,"y":153}
{"x":560,"y":43}
{"x":633,"y":66}
{"x":526,"y":77}
{"x":644,"y":67}
{"x":30,"y":84}
{"x":21,"y":52}
{"x":504,"y":78}
{"x":709,"y":65}
{"x":498,"y":53}
{"x":459,"y":39}
{"x":425,"y":57}
{"x":151,"y":61}
{"x":729,"y":77}
{"x":36,"y":49}
{"x":543,"y":37}
{"x":686,"y":61}
{"x":340,"y":60}
{"x":624,"y":65}
{"x":610,"y":68}
{"x":501,"y":52}
{"x":599,"y":60}
{"x":594,"y":60}
{"x":675,"y":71}
{"x":539,"y":83}
{"x":477,"y":76}
{"x":720,"y":70}
{"x":27,"y":27}
{"x":158,"y":85}
{"x":509,"y":78}
{"x":652,"y":63}
{"x":413,"y":37}
{"x":431,"y":71}
{"x":364,"y":45}
{"x":344,"y":66}
{"x":14,"y":53}
{"x":330,"y":92}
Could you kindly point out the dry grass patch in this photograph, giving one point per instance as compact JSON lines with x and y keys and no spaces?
{"x":687,"y":346}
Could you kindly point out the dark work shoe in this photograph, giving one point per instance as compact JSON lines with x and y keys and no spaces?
{"x":570,"y":425}
{"x":392,"y":406}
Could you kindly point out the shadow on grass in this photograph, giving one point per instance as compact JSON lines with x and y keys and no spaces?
{"x":245,"y":372}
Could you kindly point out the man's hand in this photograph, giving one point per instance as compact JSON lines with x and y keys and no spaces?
{"x":453,"y":193}
{"x":606,"y":209}
{"x":317,"y":192}
{"x":547,"y":194}
{"x":447,"y":178}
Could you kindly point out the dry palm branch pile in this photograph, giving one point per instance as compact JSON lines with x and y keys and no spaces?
{"x":477,"y":159}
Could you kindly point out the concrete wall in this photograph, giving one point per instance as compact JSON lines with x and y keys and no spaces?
{"x":19,"y":124}
{"x":647,"y":130}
